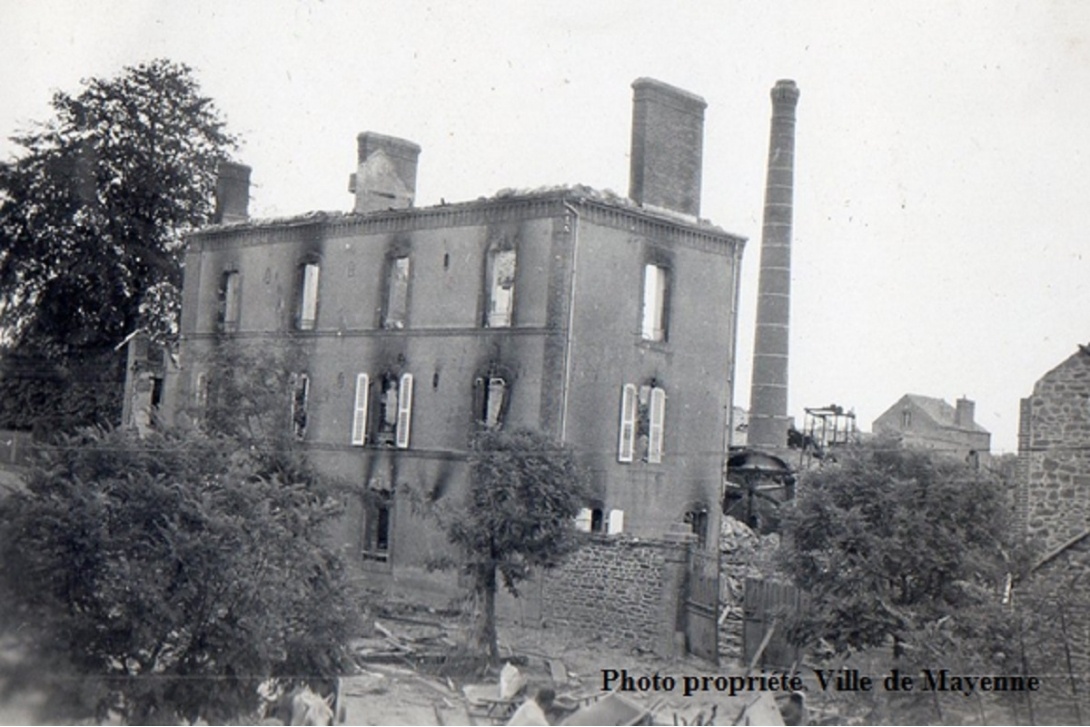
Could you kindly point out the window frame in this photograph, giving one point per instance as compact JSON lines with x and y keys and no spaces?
{"x":654,"y":309}
{"x":396,"y":317}
{"x":308,"y":287}
{"x":505,"y":318}
{"x":299,"y":430}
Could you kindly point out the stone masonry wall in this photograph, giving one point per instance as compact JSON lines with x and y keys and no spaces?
{"x":610,"y":587}
{"x":1056,"y":454}
{"x":1055,"y":614}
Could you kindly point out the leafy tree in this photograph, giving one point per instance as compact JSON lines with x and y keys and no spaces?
{"x":92,"y":212}
{"x":889,"y":540}
{"x":164,"y":577}
{"x":524,"y":493}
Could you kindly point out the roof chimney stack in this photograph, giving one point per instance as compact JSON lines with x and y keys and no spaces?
{"x":966,"y":410}
{"x":667,"y":147}
{"x":385,"y":177}
{"x":232,"y":193}
{"x":768,"y":420}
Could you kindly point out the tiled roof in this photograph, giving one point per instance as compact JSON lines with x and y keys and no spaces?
{"x":941,"y":412}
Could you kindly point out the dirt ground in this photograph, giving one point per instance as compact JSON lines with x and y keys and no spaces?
{"x":574,"y":666}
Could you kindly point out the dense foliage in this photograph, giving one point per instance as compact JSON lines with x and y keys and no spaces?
{"x":92,"y":212}
{"x":524,"y":493}
{"x":164,"y":578}
{"x":890,"y":540}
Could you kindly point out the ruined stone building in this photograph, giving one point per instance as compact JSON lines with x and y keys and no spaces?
{"x":1052,"y":511}
{"x":931,"y":423}
{"x":607,"y":322}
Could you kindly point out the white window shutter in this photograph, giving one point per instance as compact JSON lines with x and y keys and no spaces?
{"x":628,"y":423}
{"x":616,"y":522}
{"x":658,"y":419}
{"x":583,"y":520}
{"x":404,"y":410}
{"x":359,"y":413}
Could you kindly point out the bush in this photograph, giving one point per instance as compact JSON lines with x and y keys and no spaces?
{"x":164,"y":578}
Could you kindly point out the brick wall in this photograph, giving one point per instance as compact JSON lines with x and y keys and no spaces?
{"x":611,"y":587}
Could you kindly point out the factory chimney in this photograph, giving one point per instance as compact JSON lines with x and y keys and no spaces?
{"x":768,"y":420}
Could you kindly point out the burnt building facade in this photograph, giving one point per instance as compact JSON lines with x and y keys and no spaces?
{"x":606,"y":322}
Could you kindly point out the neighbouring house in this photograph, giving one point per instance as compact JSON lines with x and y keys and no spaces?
{"x":604,"y":321}
{"x":1052,"y":510}
{"x":931,"y":423}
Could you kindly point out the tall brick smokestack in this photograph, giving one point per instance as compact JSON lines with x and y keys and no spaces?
{"x":768,"y":420}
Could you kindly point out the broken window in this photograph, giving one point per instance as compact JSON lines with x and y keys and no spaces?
{"x":653,"y":322}
{"x":501,"y":297}
{"x":697,"y":520}
{"x":397,"y":293}
{"x":906,"y":419}
{"x":300,"y":390}
{"x":643,"y":423}
{"x":307,"y":313}
{"x":394,"y":410}
{"x":359,"y":411}
{"x":376,"y":526}
{"x":229,"y":301}
{"x":491,"y":401}
{"x":200,"y":396}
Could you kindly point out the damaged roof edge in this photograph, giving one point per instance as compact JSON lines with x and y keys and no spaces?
{"x":574,"y":194}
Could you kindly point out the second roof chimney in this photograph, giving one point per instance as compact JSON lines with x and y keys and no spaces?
{"x":667,"y":146}
{"x":385,"y":177}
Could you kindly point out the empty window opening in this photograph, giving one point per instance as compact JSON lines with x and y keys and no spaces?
{"x":307,"y":315}
{"x":229,"y":301}
{"x":502,"y":289}
{"x":492,"y":394}
{"x":643,"y":423}
{"x":376,"y":527}
{"x":597,"y":520}
{"x":697,"y":520}
{"x":394,"y":399}
{"x":397,"y":297}
{"x":906,"y":419}
{"x":300,"y":393}
{"x":653,"y":323}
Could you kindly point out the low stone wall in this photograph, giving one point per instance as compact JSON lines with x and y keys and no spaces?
{"x":611,"y":587}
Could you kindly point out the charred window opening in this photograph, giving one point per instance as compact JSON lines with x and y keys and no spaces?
{"x":397,"y":293}
{"x":393,"y":399}
{"x":501,"y":292}
{"x":306,"y":314}
{"x":229,"y":301}
{"x":300,"y":392}
{"x":697,"y":520}
{"x":642,"y":426}
{"x":376,"y":526}
{"x":655,"y":292}
{"x":491,"y":395}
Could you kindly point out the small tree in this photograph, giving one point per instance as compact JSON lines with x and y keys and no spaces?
{"x":165,"y":577}
{"x":890,"y":539}
{"x":524,"y":493}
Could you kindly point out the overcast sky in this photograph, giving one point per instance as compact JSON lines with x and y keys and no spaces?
{"x":942,"y":218}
